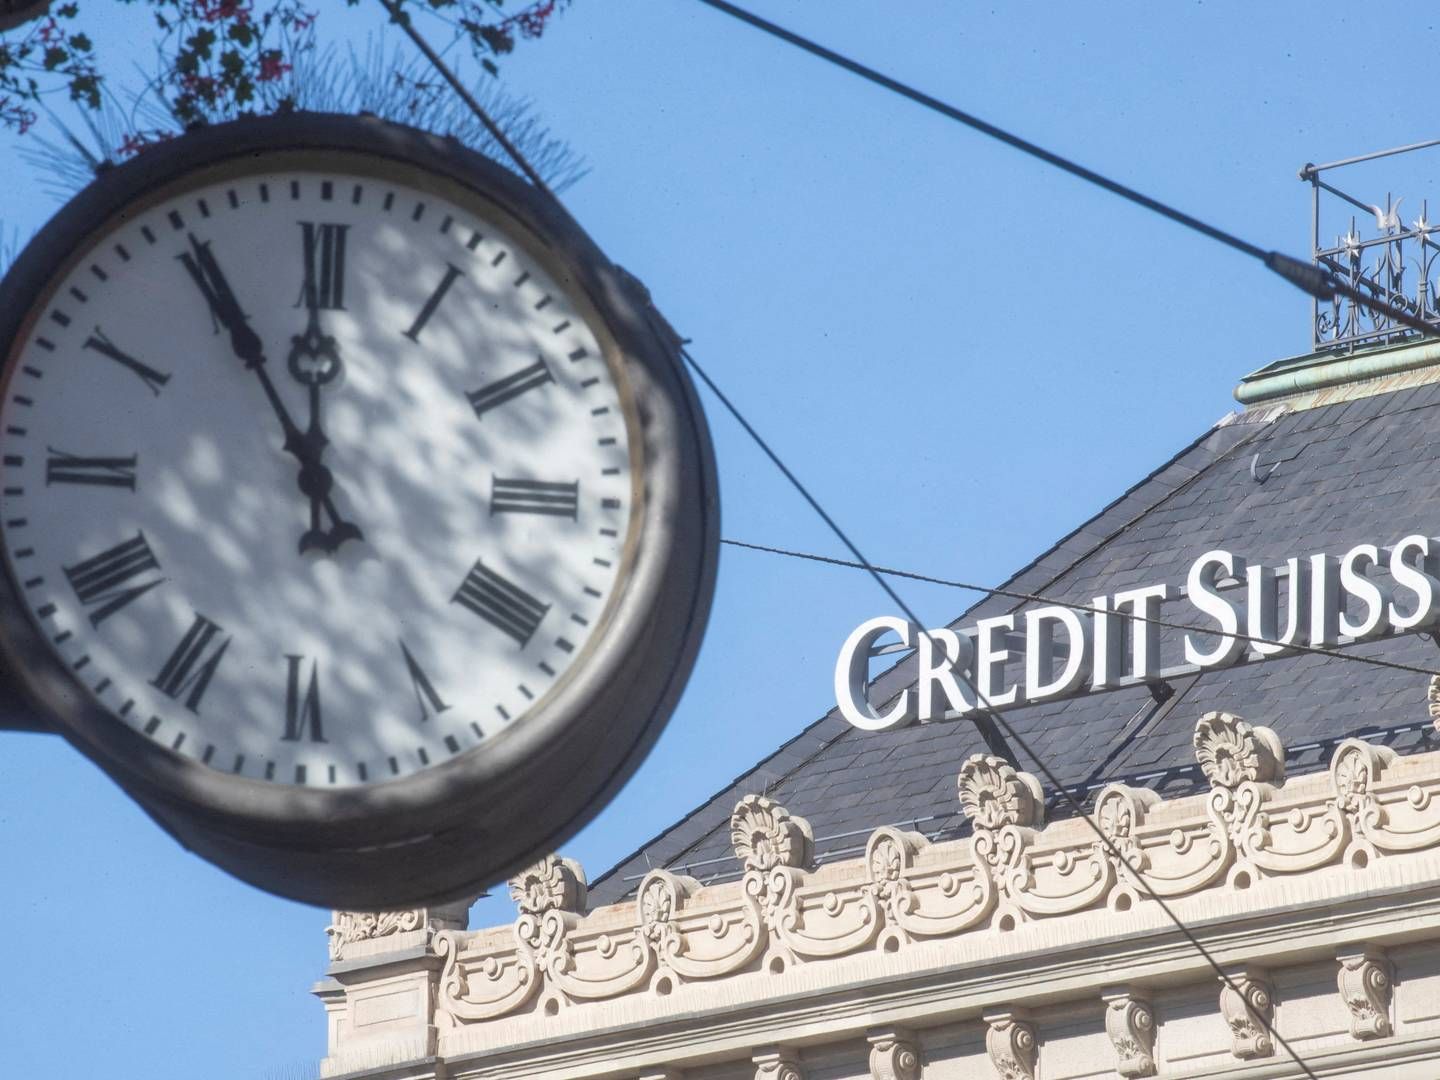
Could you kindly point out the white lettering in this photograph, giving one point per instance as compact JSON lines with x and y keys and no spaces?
{"x":852,"y":674}
{"x":1144,"y":633}
{"x":1040,"y":680}
{"x":1413,"y":576}
{"x":990,"y":661}
{"x":939,"y":666}
{"x":1359,"y":587}
{"x":1202,"y":583}
{"x":1263,"y":590}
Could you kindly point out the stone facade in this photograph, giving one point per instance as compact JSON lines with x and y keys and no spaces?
{"x":1023,"y":951}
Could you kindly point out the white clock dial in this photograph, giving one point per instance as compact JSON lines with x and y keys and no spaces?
{"x":374,"y":551}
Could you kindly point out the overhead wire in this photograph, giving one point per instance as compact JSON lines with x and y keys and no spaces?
{"x":988,"y":712}
{"x":1323,"y":284}
{"x":1075,"y":605}
{"x":1007,"y":729}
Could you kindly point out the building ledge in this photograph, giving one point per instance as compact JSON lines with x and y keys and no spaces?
{"x":1318,"y":896}
{"x":1328,"y":378}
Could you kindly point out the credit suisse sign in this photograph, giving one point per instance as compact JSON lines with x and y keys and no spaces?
{"x":1233,"y":612}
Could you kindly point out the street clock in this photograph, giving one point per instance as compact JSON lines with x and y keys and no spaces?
{"x":358,"y":516}
{"x":15,"y":12}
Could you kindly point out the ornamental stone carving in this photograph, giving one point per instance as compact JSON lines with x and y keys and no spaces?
{"x":994,"y":794}
{"x":777,"y":1063}
{"x":1248,"y":1005}
{"x":1012,"y":1044}
{"x":348,"y":928}
{"x":552,"y":884}
{"x":894,"y":1054}
{"x":674,"y":937}
{"x":766,"y":835}
{"x":1231,"y":752}
{"x":1365,"y":987}
{"x":1432,"y":700}
{"x":1130,"y":1023}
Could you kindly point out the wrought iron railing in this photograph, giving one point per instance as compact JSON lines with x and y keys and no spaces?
{"x":1396,"y":263}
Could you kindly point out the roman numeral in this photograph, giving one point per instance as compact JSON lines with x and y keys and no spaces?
{"x":101,"y":344}
{"x":102,"y":579}
{"x":451,"y":273}
{"x":302,"y":712}
{"x":534,"y":497}
{"x":192,"y":665}
{"x":424,"y":691}
{"x":324,"y":266}
{"x":511,"y":386}
{"x":501,"y":603}
{"x":64,"y":468}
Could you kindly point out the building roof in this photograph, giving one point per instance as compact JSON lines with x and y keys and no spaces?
{"x":1329,"y":477}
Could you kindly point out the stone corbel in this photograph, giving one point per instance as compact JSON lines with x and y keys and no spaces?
{"x":1012,"y":1043}
{"x":777,"y":1063}
{"x":1247,"y":1003}
{"x":894,"y":1054}
{"x":1130,"y":1023}
{"x":1366,"y":986}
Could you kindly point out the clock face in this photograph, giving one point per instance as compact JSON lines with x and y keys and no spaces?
{"x":316,"y":477}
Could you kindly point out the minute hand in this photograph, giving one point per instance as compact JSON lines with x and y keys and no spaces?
{"x":201,"y":265}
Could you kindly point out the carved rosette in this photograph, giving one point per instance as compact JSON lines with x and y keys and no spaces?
{"x":1012,"y":1044}
{"x":1119,"y":812}
{"x":552,"y":884}
{"x":1232,"y":752}
{"x":994,"y":794}
{"x":1130,"y":1023}
{"x":1248,"y":1004}
{"x":765,"y":835}
{"x":1365,"y":987}
{"x":778,"y":1063}
{"x":894,"y":1055}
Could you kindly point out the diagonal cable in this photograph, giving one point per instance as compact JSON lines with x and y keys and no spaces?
{"x":1319,"y":283}
{"x":1075,"y":605}
{"x":1006,"y":728}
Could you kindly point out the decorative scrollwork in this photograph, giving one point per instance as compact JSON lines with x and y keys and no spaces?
{"x":994,"y":794}
{"x":1130,"y":1023}
{"x":766,"y":835}
{"x":348,"y":927}
{"x":1232,"y":752}
{"x":894,"y":1055}
{"x":1365,"y":987}
{"x":1432,"y":700}
{"x":552,"y":884}
{"x":779,"y":1063}
{"x":1012,"y":1044}
{"x":1248,"y":1004}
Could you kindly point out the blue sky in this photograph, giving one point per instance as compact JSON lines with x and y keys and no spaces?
{"x":964,"y":352}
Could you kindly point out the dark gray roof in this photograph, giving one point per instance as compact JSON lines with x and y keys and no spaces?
{"x":1349,"y":473}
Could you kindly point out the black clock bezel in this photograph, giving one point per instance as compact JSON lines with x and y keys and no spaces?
{"x":461,"y":824}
